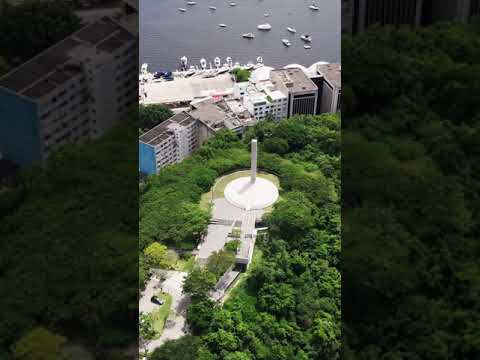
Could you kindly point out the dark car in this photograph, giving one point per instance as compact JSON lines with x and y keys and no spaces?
{"x":154,"y":299}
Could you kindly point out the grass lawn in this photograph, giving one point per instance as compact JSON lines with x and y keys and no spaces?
{"x":160,"y":316}
{"x":217,"y":191}
{"x":205,"y":200}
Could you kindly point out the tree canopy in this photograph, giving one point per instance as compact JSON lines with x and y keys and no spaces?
{"x":28,"y":28}
{"x":71,"y":260}
{"x":289,"y":306}
{"x":410,"y":199}
{"x":151,"y":115}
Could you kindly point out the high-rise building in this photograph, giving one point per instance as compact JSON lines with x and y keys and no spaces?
{"x":331,"y":88}
{"x":168,"y":143}
{"x":75,"y":90}
{"x":301,"y":91}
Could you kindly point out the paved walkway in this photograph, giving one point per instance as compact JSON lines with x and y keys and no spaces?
{"x":175,"y":326}
{"x":217,"y":233}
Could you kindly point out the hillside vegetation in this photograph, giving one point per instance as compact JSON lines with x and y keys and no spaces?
{"x":289,"y":306}
{"x":410,"y":201}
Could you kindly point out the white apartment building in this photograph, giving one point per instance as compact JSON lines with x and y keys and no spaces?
{"x":168,"y":143}
{"x":75,"y":90}
{"x":264,"y":101}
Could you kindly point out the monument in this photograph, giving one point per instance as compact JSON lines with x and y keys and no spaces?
{"x":251,"y":192}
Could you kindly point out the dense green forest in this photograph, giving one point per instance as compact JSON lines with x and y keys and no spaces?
{"x":31,"y":27}
{"x":410,"y":200}
{"x":289,"y":306}
{"x":69,"y":247}
{"x":151,"y":115}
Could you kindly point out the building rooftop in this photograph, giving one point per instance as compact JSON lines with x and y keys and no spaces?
{"x":57,"y":64}
{"x":97,"y":31}
{"x":164,"y":130}
{"x":210,"y":114}
{"x":187,"y":89}
{"x":332,"y":73}
{"x":229,"y":114}
{"x":292,"y":80}
{"x":38,"y":67}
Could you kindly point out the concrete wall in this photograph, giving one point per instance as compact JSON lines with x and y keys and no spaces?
{"x":147,"y":161}
{"x":327,"y":98}
{"x":19,"y":129}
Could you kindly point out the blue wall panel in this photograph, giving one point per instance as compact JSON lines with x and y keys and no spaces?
{"x":19,"y":133}
{"x":147,"y":161}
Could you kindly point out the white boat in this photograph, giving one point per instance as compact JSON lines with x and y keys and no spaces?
{"x":183,"y":62}
{"x":286,"y":42}
{"x":233,"y":4}
{"x":248,"y":35}
{"x":222,"y":25}
{"x":209,"y":74}
{"x":314,"y":7}
{"x":191,"y":72}
{"x":306,"y":38}
{"x":191,"y":3}
{"x":212,"y":8}
{"x":292,"y":30}
{"x":182,"y":9}
{"x":266,"y":14}
{"x":223,"y":70}
{"x":265,"y":26}
{"x":307,"y":46}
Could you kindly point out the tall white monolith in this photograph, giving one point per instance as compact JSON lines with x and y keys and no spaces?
{"x":253,"y":176}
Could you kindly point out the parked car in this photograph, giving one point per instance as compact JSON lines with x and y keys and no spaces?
{"x":154,"y":299}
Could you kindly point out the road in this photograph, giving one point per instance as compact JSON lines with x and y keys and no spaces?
{"x":175,"y":326}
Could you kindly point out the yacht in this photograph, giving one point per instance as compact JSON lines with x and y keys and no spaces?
{"x":183,"y":63}
{"x":223,"y":70}
{"x":306,"y":38}
{"x":191,"y":3}
{"x":248,"y":35}
{"x":292,"y":30}
{"x":212,"y":8}
{"x":222,"y":25}
{"x":286,"y":42}
{"x":266,"y":14}
{"x":265,"y":26}
{"x":314,"y":7}
{"x":307,"y":46}
{"x":233,"y":4}
{"x":191,"y":72}
{"x":182,"y":9}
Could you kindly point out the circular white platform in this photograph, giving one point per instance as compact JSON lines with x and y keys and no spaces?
{"x":246,"y":195}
